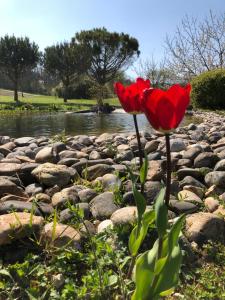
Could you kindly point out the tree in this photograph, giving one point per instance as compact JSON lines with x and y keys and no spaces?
{"x":17,"y":55}
{"x":158,"y":73}
{"x":197,"y":46}
{"x":110,"y":53}
{"x":66,"y":61}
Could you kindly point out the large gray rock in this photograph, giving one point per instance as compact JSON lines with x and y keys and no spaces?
{"x":46,"y":155}
{"x":95,"y":171}
{"x":87,"y":195}
{"x":155,"y":170}
{"x":9,"y":169}
{"x":177,"y":145}
{"x":206,"y":159}
{"x":189,"y":180}
{"x":33,"y":189}
{"x":60,"y":235}
{"x":220,"y":166}
{"x":21,"y":206}
{"x":216,"y":178}
{"x":152,"y":188}
{"x":195,"y":173}
{"x":202,"y":227}
{"x":111,"y":182}
{"x":50,"y":174}
{"x":9,"y":187}
{"x":189,"y":196}
{"x":66,"y":195}
{"x":183,"y":206}
{"x":18,"y":225}
{"x":103,"y":206}
{"x":151,"y":146}
{"x":24,"y":141}
{"x":125,"y":215}
{"x":105,"y":137}
{"x":192,"y":152}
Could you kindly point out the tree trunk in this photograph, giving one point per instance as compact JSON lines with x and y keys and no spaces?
{"x":16,"y":92}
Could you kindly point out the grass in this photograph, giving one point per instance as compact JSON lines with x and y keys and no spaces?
{"x":6,"y":97}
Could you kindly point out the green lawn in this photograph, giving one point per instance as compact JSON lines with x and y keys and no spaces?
{"x":6,"y":97}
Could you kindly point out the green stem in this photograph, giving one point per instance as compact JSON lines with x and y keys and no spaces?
{"x":139,"y":146}
{"x":132,"y":263}
{"x":168,"y":170}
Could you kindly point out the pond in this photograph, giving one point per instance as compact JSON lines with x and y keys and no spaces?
{"x":49,"y":124}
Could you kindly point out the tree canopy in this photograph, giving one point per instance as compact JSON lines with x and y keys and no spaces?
{"x":110,"y":52}
{"x":66,"y":61}
{"x":17,"y":55}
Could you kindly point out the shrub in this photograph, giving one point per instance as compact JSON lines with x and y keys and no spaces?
{"x":208,"y":90}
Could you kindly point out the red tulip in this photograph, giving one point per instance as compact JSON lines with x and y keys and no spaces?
{"x":165,"y":109}
{"x":131,"y":96}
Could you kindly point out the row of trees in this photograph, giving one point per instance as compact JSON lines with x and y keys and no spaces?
{"x":98,"y":54}
{"x":96,"y":58}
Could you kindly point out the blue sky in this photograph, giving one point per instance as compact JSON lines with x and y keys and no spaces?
{"x":49,"y":21}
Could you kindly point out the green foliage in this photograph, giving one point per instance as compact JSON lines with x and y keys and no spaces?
{"x":208,"y":90}
{"x":17,"y":56}
{"x":66,"y":62}
{"x":110,"y":52}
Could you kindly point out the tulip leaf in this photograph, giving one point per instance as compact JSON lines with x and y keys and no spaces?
{"x":161,"y":213}
{"x":141,"y":206}
{"x":144,"y":170}
{"x":144,"y":274}
{"x":135,"y":239}
{"x":168,"y":277}
{"x":175,"y":232}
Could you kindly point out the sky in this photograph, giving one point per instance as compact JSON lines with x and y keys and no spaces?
{"x":50,"y":21}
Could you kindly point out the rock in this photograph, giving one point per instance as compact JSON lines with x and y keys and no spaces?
{"x":183,"y":206}
{"x":58,"y":281}
{"x":84,"y":140}
{"x":20,"y":206}
{"x":154,"y":156}
{"x":103,"y":206}
{"x":152,"y":188}
{"x":105,"y":137}
{"x":94,"y":155}
{"x":125,"y":155}
{"x":216,"y":178}
{"x":33,"y":189}
{"x":95,"y":171}
{"x":87,"y":195}
{"x":67,"y":214}
{"x":41,"y":197}
{"x":192,"y":153}
{"x":155,"y":170}
{"x":123,"y":148}
{"x":195,"y":173}
{"x":9,"y":169}
{"x":104,"y":225}
{"x":188,"y":196}
{"x":151,"y":146}
{"x":206,"y":159}
{"x":220,"y":212}
{"x":18,"y":225}
{"x":111,"y":182}
{"x":189,"y":180}
{"x":220,"y":166}
{"x":50,"y":174}
{"x":24,"y":141}
{"x":9,"y":187}
{"x":60,"y":236}
{"x":64,"y":196}
{"x":211,"y":204}
{"x":128,"y":198}
{"x":196,"y":190}
{"x":68,"y":161}
{"x":46,"y":155}
{"x":184,"y":162}
{"x":125,"y":215}
{"x":177,"y":145}
{"x":202,"y":227}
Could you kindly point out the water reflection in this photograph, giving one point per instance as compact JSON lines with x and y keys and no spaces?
{"x":50,"y":124}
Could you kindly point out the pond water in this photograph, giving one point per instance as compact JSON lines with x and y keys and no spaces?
{"x":49,"y":124}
